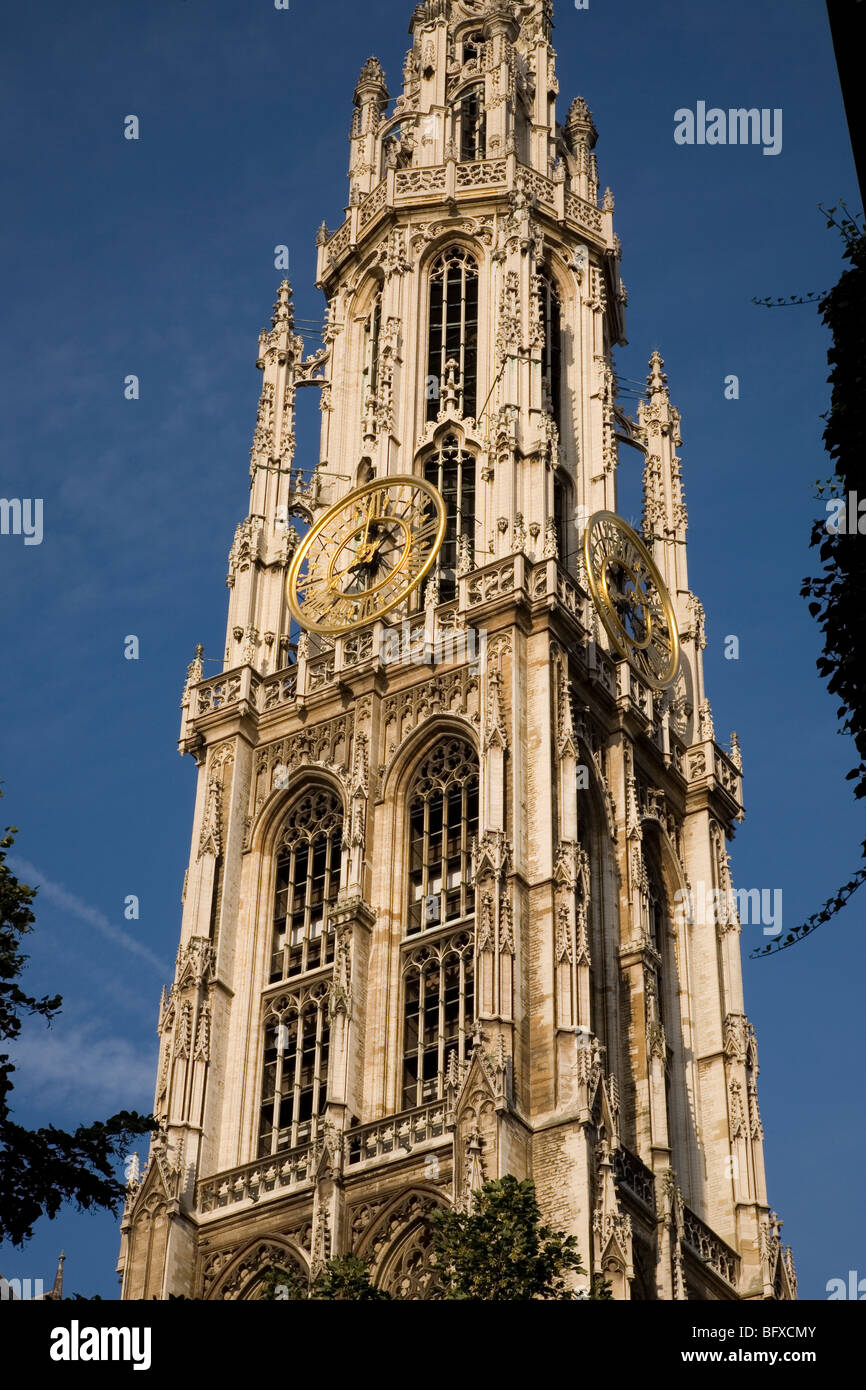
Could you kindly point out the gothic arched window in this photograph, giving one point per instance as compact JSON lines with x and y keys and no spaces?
{"x":452,"y":471}
{"x":453,"y":329}
{"x":662,"y":979}
{"x":561,"y":493}
{"x":550,"y":314}
{"x":309,"y":857}
{"x":471,"y":124}
{"x":438,"y":983}
{"x":294,"y":1085}
{"x":372,"y":339}
{"x":443,"y":820}
{"x":438,"y":1006}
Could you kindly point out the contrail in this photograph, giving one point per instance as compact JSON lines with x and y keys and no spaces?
{"x":61,"y":897}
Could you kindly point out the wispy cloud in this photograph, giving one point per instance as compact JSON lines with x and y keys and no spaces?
{"x":61,"y":897}
{"x":76,"y":1066}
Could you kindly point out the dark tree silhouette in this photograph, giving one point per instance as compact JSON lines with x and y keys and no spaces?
{"x":838,"y":594}
{"x":40,"y":1169}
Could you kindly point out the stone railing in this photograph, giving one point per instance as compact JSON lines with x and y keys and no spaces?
{"x":373,"y":203}
{"x":458,"y":178}
{"x":583,"y":213}
{"x":429,"y":180}
{"x":481,"y":173}
{"x":223,"y":692}
{"x":279,"y":690}
{"x":710,"y":1248}
{"x":635,"y":1177}
{"x":707,"y":760}
{"x":395,"y":1136}
{"x":538,"y":184}
{"x":255,"y":1180}
{"x":339,"y":242}
{"x":320,"y":671}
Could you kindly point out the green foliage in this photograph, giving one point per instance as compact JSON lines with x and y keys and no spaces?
{"x":501,"y":1251}
{"x":43,"y":1168}
{"x":343,"y":1278}
{"x":838,"y":594}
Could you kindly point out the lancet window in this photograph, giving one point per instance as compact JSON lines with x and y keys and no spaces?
{"x":550,"y":313}
{"x":453,"y":329}
{"x":471,"y":124}
{"x":452,"y":470}
{"x":443,"y":820}
{"x":294,"y":1085}
{"x":309,"y":857}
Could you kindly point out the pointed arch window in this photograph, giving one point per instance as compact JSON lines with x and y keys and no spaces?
{"x":439,"y":999}
{"x":656,"y":927}
{"x":295,"y":1079}
{"x":443,"y":821}
{"x":471,"y":121}
{"x":452,"y":471}
{"x":438,"y":973}
{"x":550,"y":314}
{"x":561,"y":493}
{"x":372,"y":342}
{"x":453,"y":329}
{"x":309,"y":860}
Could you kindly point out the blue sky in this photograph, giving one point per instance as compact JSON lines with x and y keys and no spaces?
{"x":155,"y":257}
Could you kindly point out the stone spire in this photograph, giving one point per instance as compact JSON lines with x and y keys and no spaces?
{"x":371,"y":85}
{"x":579,"y":126}
{"x":57,"y":1291}
{"x":657,"y":381}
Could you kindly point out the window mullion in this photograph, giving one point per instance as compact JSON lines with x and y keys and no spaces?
{"x":440,"y":1051}
{"x":317,"y":1071}
{"x":296,"y":1080}
{"x":278,"y":1087}
{"x":422,"y":1005}
{"x":462,"y":353}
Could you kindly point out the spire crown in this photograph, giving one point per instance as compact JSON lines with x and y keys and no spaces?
{"x":657,"y":381}
{"x":579,"y":125}
{"x":284,"y":310}
{"x":371,"y":83}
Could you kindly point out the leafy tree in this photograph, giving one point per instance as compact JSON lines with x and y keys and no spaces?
{"x":838,"y":594}
{"x":43,"y":1168}
{"x":500,"y":1250}
{"x":344,"y":1278}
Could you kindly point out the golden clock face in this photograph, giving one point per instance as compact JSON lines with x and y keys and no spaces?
{"x":366,"y":554}
{"x":631,"y":599}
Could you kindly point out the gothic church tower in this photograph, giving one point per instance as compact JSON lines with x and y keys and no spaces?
{"x":438,"y":921}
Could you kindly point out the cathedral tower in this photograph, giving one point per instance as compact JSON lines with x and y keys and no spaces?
{"x":445,"y":912}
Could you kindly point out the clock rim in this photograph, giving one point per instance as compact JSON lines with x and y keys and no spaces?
{"x":372,"y":485}
{"x":655,"y":575}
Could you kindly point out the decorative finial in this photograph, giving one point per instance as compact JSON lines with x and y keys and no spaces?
{"x":371,"y":84}
{"x":283,"y":314}
{"x":657,"y":382}
{"x":579,"y":126}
